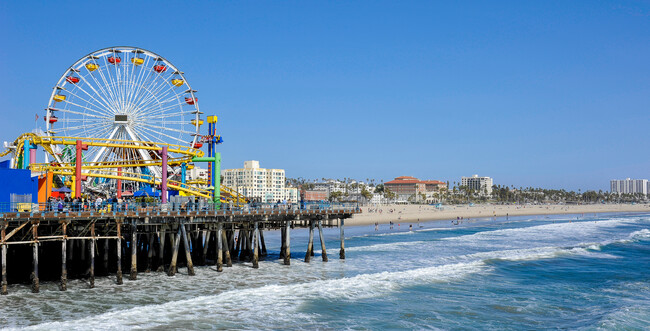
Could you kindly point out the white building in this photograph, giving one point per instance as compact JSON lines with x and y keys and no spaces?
{"x":481,"y":185}
{"x":267,"y":185}
{"x":628,"y":185}
{"x":197,"y":173}
{"x":332,"y":185}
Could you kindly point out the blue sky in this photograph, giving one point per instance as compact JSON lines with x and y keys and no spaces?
{"x":532,"y":93}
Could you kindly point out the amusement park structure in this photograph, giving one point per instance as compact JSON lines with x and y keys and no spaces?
{"x":123,"y":119}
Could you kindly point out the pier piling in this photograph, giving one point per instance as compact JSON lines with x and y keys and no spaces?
{"x":3,"y":291}
{"x":310,"y":243}
{"x":36,"y":287}
{"x":161,"y":248}
{"x":177,"y":242}
{"x":322,"y":241}
{"x":134,"y":253}
{"x":219,"y":248}
{"x":287,"y":244}
{"x":342,"y":251}
{"x":119,"y":253}
{"x":188,"y":254}
{"x":63,"y":285}
{"x":255,"y":247}
{"x":226,"y":249}
{"x":92,"y":256}
{"x":150,"y":250}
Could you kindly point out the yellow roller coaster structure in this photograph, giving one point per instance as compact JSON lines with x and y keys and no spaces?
{"x":118,"y":169}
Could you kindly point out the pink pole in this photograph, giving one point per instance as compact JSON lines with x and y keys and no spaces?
{"x":32,"y":156}
{"x":163,"y":185}
{"x":77,"y":171}
{"x":119,"y":183}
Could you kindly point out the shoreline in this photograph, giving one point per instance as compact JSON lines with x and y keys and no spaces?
{"x":424,"y":213}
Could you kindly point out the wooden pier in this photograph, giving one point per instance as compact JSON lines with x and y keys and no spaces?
{"x":55,"y":246}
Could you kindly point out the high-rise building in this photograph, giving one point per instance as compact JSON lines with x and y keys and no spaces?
{"x":628,"y":185}
{"x":266,"y":185}
{"x":481,"y":185}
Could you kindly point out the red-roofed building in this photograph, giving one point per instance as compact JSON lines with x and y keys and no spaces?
{"x":406,"y":186}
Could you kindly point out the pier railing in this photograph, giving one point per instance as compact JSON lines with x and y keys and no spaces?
{"x":187,"y":205}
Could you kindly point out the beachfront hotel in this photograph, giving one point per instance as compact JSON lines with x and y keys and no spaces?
{"x":264,"y":185}
{"x":407,"y":186}
{"x":482,"y":185}
{"x":628,"y":185}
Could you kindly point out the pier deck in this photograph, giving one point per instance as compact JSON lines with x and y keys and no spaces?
{"x":82,"y":244}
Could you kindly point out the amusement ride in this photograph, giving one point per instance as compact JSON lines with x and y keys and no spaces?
{"x":123,"y":119}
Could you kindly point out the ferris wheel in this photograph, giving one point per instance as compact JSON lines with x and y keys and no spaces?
{"x":124,"y":93}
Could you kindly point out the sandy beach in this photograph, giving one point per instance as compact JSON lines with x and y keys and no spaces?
{"x":414,"y":213}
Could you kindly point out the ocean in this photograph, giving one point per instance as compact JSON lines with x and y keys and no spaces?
{"x":534,"y":272}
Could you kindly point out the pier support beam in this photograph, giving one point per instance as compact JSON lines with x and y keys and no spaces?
{"x":92,"y":255}
{"x":188,"y":254}
{"x":152,"y":238}
{"x":322,"y":241}
{"x":105,"y":259}
{"x":219,"y":248}
{"x":134,"y":253}
{"x":205,"y":240}
{"x":119,"y":253}
{"x":342,"y":251}
{"x":3,"y":290}
{"x":36,"y":287}
{"x":161,"y":248}
{"x":255,"y":247}
{"x":64,"y":258}
{"x":287,"y":244}
{"x":263,"y":243}
{"x":310,"y":243}
{"x":177,"y":242}
{"x":226,"y":249}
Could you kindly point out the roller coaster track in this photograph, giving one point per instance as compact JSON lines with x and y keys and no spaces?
{"x":109,"y":170}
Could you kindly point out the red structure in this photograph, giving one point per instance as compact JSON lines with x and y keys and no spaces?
{"x":159,"y":68}
{"x":72,"y":79}
{"x":114,"y":59}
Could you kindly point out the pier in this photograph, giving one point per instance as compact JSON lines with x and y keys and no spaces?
{"x":56,"y":246}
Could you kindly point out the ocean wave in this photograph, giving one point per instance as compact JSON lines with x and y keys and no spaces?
{"x":275,"y":304}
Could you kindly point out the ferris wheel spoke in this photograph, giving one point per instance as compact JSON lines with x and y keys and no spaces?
{"x":186,"y":112}
{"x":141,"y":85}
{"x":162,"y":134}
{"x":105,"y":95}
{"x":80,"y":113}
{"x":85,"y":126}
{"x":109,"y":85}
{"x":160,"y":107}
{"x":136,"y":74}
{"x":167,"y":128}
{"x":105,"y":88}
{"x":101,"y":103}
{"x":90,"y":103}
{"x":155,"y":92}
{"x":99,"y":114}
{"x":157,"y":86}
{"x":140,"y":133}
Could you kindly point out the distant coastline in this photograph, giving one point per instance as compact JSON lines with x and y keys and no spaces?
{"x":413,"y":213}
